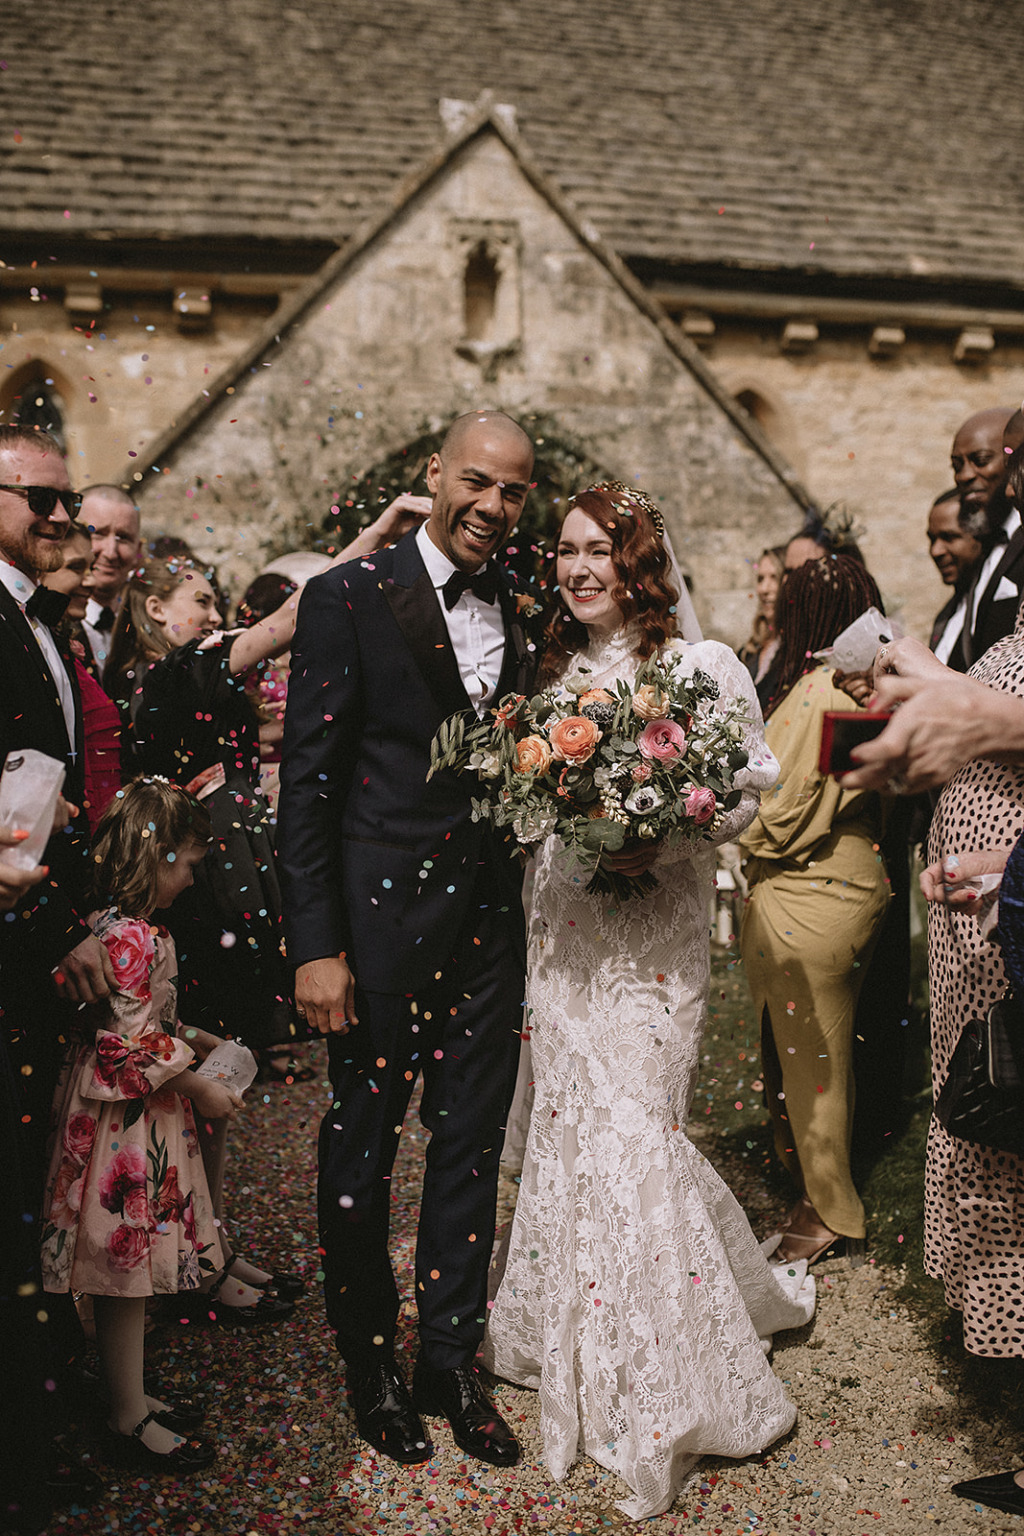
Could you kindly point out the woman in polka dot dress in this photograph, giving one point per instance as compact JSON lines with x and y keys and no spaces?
{"x":974,"y":1195}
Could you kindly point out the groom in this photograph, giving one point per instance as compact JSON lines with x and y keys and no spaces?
{"x":404,"y":919}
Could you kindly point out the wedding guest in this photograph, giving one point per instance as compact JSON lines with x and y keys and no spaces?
{"x":101,"y":719}
{"x":759,"y":651}
{"x":818,"y":897}
{"x":980,"y":457}
{"x":972,"y":1239}
{"x":955,"y":554}
{"x":949,"y":884}
{"x":49,"y":960}
{"x":119,"y":1224}
{"x":641,"y":1369}
{"x":112,"y":519}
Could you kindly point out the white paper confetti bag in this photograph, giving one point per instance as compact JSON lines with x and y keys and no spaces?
{"x":29,"y":786}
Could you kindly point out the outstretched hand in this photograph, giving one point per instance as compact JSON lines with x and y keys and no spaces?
{"x":941,"y":720}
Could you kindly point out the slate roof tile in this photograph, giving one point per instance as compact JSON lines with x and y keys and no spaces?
{"x":897,"y":122}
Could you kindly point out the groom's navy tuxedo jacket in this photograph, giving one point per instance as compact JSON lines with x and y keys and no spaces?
{"x":375,"y":861}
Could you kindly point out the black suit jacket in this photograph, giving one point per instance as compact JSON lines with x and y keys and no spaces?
{"x":374,"y":860}
{"x":995,"y":618}
{"x":47,"y":922}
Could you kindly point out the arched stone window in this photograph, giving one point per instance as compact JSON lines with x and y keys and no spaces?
{"x":481,"y":286}
{"x":38,"y":403}
{"x":488,"y":268}
{"x":757,"y":406}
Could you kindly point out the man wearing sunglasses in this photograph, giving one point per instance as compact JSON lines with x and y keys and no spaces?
{"x":49,"y":960}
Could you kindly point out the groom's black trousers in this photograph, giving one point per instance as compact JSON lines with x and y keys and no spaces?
{"x":462,"y":1031}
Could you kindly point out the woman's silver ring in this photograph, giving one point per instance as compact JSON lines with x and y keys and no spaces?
{"x":896,"y":784}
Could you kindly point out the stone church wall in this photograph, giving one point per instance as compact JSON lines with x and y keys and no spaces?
{"x":385,"y":351}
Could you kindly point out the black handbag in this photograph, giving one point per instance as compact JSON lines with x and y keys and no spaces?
{"x":982,"y":1099}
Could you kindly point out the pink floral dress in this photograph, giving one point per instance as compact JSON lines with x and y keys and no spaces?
{"x":127,"y":1210}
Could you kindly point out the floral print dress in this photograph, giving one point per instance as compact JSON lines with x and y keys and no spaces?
{"x":127,"y":1210}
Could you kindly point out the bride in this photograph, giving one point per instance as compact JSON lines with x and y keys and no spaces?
{"x":636,"y":1298}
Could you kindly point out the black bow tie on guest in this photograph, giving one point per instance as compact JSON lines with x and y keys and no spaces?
{"x":483,"y":582}
{"x":47,"y":606}
{"x":104,"y":621}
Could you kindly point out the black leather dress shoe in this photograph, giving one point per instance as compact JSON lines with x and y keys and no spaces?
{"x":999,"y":1491}
{"x":459,"y":1396}
{"x":385,"y":1416}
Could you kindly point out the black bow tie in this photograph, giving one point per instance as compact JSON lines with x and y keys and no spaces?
{"x":46,"y":606}
{"x":104,"y":621}
{"x":483,"y":582}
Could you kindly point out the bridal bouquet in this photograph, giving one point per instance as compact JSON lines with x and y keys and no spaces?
{"x":653,"y":762}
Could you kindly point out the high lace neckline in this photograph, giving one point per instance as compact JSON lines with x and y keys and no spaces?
{"x":603,"y":650}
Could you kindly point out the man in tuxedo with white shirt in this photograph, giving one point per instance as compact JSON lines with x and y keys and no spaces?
{"x":955,"y":553}
{"x":112,"y":519}
{"x":404,"y":918}
{"x":980,"y":457}
{"x":49,"y":959}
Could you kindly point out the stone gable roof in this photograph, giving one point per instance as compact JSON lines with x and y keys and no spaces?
{"x":301,"y":302}
{"x":854,"y":138}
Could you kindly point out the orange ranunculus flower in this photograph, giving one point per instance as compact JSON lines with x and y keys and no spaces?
{"x":595,"y":696}
{"x":573,"y":740}
{"x":533,"y":755}
{"x":651,"y":702}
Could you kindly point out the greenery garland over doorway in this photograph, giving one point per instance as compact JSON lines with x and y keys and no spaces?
{"x":561,"y":467}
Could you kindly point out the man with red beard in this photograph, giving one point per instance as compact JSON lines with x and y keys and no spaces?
{"x":49,"y":963}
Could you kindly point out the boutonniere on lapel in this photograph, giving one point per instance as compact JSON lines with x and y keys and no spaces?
{"x":527,"y":606}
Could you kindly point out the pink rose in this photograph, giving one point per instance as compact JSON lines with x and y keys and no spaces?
{"x":573,"y":740}
{"x":662,"y":741}
{"x":700,"y":805}
{"x":66,"y":1196}
{"x":79,"y":1135}
{"x":127,"y":1247}
{"x":111,"y":1055}
{"x":125,"y":1171}
{"x":132,"y":1083}
{"x":131,"y":950}
{"x":136,"y":1209}
{"x":641,"y":773}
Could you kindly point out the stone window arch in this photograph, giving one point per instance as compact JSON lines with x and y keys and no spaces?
{"x":33,"y":399}
{"x":487,"y":262}
{"x":480,"y":292}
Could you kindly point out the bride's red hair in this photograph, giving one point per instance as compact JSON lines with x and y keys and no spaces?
{"x":644,"y":594}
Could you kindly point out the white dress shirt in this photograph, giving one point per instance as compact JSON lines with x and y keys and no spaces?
{"x":954,"y":629}
{"x":475,"y":628}
{"x":99,"y":639}
{"x":21,"y":588}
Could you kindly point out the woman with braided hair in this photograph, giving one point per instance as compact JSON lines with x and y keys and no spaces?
{"x":636,"y":1298}
{"x":818,"y":897}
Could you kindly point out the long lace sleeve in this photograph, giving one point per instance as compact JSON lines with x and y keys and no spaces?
{"x":134,"y":1054}
{"x":735,"y":686}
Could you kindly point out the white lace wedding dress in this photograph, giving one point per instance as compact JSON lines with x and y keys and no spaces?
{"x":636,"y":1298}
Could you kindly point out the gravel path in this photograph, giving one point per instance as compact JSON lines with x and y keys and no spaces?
{"x":878,"y":1441}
